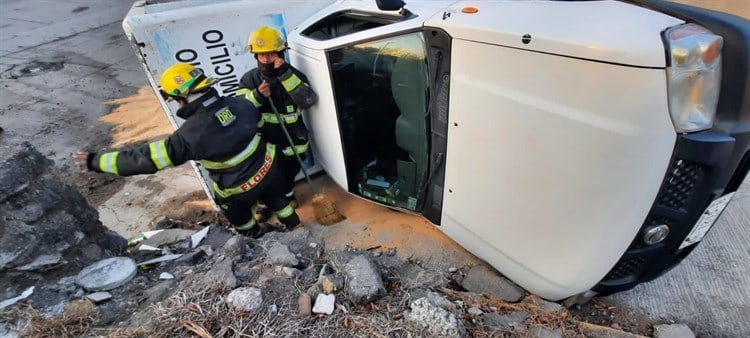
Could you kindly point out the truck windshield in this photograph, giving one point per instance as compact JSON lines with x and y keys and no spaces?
{"x":381,"y":90}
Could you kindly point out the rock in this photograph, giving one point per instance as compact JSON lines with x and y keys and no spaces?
{"x":166,"y":275}
{"x":377,"y":253}
{"x":452,"y":270}
{"x":673,"y":331}
{"x":287,"y":271}
{"x":222,"y":273}
{"x":98,"y":297}
{"x":436,"y":320}
{"x":438,"y":300}
{"x":245,"y":299}
{"x":481,"y":280}
{"x":365,"y":282}
{"x":324,"y":304}
{"x":544,"y":304}
{"x":415,"y":276}
{"x":245,"y":271}
{"x":107,"y":274}
{"x":391,"y":252}
{"x":279,"y":254}
{"x":331,"y":283}
{"x":44,"y":223}
{"x":305,"y":304}
{"x":44,"y":262}
{"x":538,"y":331}
{"x":506,"y":321}
{"x":315,"y":290}
{"x":159,"y":291}
{"x":474,"y":311}
{"x":192,"y":258}
{"x":297,"y":240}
{"x":235,"y":246}
{"x":163,"y":222}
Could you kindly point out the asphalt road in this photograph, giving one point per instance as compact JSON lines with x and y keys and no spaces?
{"x":89,"y":60}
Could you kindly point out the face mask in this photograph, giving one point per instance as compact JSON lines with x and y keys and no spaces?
{"x":267,"y":69}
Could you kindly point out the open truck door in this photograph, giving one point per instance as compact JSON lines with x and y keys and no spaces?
{"x":209,"y":35}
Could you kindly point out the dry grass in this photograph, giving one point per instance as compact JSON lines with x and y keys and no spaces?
{"x":75,"y":319}
{"x":202,"y":312}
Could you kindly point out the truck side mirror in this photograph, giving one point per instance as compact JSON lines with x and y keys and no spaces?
{"x":390,"y":5}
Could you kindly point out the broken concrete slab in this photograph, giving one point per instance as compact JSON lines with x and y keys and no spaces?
{"x":324,"y":304}
{"x":479,"y":279}
{"x":223,"y":274}
{"x":365,"y":281}
{"x":673,"y":331}
{"x":43,"y":262}
{"x":107,"y":274}
{"x":245,"y":299}
{"x":546,"y":305}
{"x":99,"y":297}
{"x":279,"y":254}
{"x":513,"y":320}
{"x":197,"y":237}
{"x":235,"y":246}
{"x":435,"y":319}
{"x":167,"y":236}
{"x":538,"y":331}
{"x":25,"y":294}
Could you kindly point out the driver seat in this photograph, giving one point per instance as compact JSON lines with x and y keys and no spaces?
{"x":409,"y":88}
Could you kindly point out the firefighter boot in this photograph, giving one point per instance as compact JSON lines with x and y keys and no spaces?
{"x":262,"y":213}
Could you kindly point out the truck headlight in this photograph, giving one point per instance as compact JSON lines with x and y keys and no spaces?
{"x":694,"y":76}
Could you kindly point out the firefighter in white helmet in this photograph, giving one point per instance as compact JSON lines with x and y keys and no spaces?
{"x":274,"y":80}
{"x":222,"y":134}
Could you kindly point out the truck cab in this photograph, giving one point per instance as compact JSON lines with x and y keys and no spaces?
{"x":611,"y":133}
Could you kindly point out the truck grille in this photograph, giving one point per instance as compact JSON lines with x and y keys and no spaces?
{"x":679,"y":185}
{"x":625,"y":268}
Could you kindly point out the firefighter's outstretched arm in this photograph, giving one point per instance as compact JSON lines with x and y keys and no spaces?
{"x":146,"y":159}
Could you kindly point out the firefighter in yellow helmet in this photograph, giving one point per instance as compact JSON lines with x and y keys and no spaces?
{"x":276,"y":82}
{"x":221,"y":133}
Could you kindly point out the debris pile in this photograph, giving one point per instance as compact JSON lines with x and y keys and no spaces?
{"x":210,"y":282}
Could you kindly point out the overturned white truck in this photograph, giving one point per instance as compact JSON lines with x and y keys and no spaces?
{"x":613,"y":133}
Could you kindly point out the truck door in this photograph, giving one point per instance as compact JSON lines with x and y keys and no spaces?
{"x":385,"y":92}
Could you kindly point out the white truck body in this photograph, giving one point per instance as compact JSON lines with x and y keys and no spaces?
{"x":557,"y":143}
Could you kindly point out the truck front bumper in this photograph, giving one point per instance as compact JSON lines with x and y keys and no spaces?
{"x":705,"y":166}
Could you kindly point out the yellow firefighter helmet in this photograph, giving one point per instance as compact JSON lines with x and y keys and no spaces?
{"x":265,"y":40}
{"x":182,"y":79}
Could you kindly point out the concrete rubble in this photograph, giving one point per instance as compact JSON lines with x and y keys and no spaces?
{"x":255,"y":275}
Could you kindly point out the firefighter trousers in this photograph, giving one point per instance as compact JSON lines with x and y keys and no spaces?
{"x":271,"y":189}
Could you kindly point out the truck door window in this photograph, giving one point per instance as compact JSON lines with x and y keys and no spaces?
{"x":381,"y":90}
{"x":347,"y":22}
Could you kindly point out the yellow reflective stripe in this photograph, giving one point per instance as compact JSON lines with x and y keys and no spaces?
{"x":247,"y":226}
{"x":159,"y":154}
{"x":286,"y":212}
{"x":252,"y":181}
{"x":301,"y":149}
{"x":236,"y":159}
{"x":291,"y":83}
{"x":249,"y":95}
{"x":288,"y":118}
{"x":108,"y":163}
